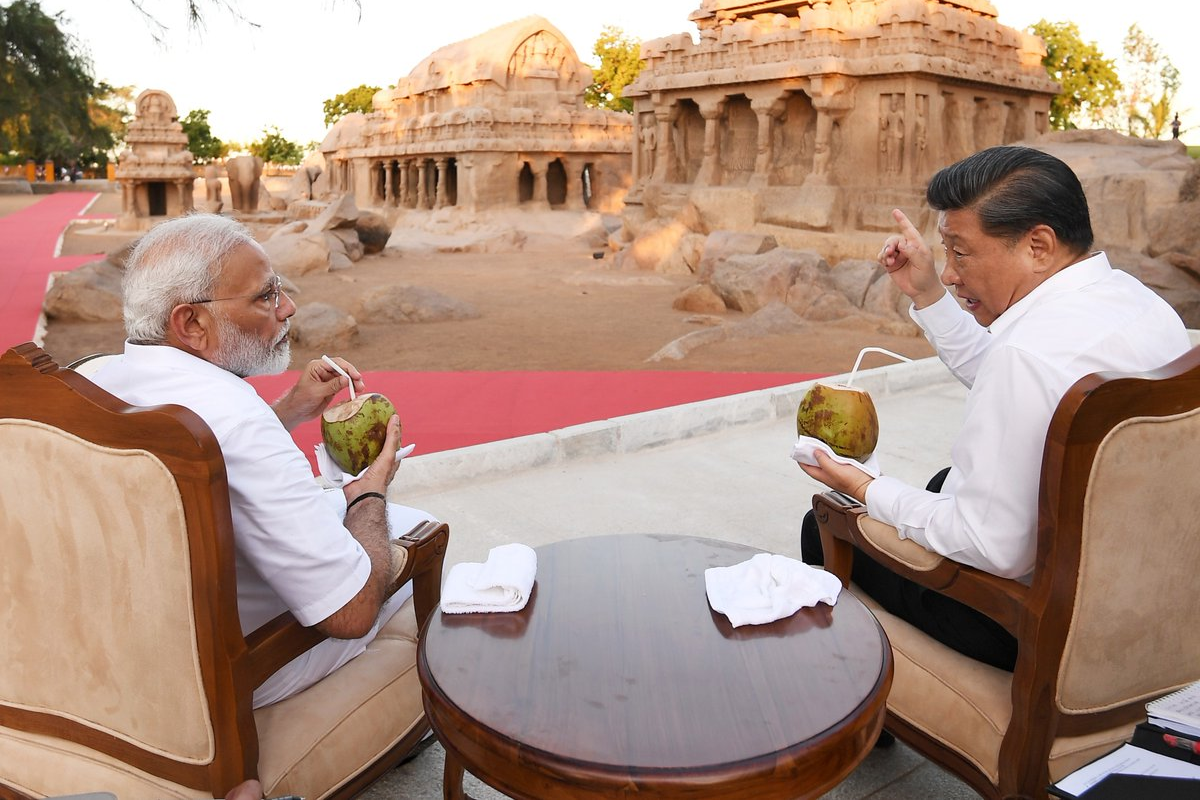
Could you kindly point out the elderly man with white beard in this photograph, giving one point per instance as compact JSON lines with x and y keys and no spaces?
{"x":204,"y":310}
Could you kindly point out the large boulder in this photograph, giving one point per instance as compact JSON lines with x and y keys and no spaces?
{"x":751,"y":282}
{"x":854,"y":276}
{"x":397,"y":304}
{"x":373,"y":232}
{"x":322,"y":326}
{"x":294,"y":254}
{"x":720,"y":245}
{"x":699,"y":299}
{"x":88,"y":293}
{"x":340,"y":213}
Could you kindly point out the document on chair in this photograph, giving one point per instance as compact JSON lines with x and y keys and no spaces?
{"x":1126,"y":760}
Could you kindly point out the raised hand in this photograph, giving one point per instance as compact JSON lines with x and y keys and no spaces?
{"x":316,"y":387}
{"x":909,"y":263}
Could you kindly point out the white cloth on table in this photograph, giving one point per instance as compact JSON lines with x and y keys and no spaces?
{"x":502,"y":583}
{"x":768,"y":587}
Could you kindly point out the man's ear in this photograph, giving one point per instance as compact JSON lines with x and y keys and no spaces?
{"x":188,"y":329}
{"x":1044,"y":247}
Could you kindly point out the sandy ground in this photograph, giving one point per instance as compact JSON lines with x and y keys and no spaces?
{"x":538,"y":311}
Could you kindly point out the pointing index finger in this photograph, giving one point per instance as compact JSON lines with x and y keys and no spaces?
{"x":906,"y":227}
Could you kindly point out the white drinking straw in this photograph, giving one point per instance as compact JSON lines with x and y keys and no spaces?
{"x":344,"y":374}
{"x":866,"y":350}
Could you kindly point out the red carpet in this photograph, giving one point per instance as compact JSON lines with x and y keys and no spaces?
{"x":27,"y":240}
{"x":447,"y":410}
{"x":439,"y":410}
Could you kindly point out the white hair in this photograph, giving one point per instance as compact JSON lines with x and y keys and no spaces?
{"x":178,"y":261}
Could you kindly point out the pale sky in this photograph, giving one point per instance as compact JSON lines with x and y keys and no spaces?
{"x":305,"y":51}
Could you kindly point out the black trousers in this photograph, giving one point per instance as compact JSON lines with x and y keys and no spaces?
{"x":950,"y":622}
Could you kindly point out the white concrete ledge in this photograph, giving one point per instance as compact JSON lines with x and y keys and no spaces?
{"x":645,"y":430}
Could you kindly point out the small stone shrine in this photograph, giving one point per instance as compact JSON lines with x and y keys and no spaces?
{"x":155,"y":170}
{"x":805,"y":117}
{"x":496,"y":121}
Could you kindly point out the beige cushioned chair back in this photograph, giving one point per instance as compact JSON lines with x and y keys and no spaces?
{"x":1137,"y":595}
{"x":97,"y":617}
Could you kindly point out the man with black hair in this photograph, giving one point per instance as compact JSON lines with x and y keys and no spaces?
{"x":1038,"y":312}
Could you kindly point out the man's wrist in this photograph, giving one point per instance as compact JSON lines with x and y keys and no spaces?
{"x":365,"y":496}
{"x":928,"y":298}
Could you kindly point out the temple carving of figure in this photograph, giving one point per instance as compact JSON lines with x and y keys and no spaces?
{"x":805,"y":118}
{"x":155,"y":170}
{"x":496,"y":121}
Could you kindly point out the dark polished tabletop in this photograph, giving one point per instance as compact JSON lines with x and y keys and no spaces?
{"x":617,"y":679}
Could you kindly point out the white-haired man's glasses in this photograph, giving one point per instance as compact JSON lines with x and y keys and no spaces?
{"x":271,"y":295}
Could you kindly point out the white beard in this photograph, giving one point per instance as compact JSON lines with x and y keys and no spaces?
{"x":244,"y":355}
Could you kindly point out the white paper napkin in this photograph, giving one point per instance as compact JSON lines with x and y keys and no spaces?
{"x":502,"y":583}
{"x":332,"y":473}
{"x":805,"y":446}
{"x":768,"y":587}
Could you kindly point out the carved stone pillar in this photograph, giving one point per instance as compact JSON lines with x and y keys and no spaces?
{"x":540,"y":198}
{"x":442,"y":174}
{"x":389,"y":184}
{"x":765,"y":112}
{"x":710,"y":167}
{"x":422,"y":199}
{"x":574,"y":173}
{"x":402,"y":183}
{"x":665,"y":155}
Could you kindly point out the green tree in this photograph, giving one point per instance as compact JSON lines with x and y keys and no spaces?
{"x":1151,"y":83}
{"x":357,"y":99}
{"x":204,"y":146}
{"x":273,"y":148}
{"x":47,"y":92}
{"x":1089,"y":81}
{"x":620,"y":62}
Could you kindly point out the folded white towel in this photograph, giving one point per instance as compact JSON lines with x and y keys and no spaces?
{"x":805,"y":446}
{"x":502,"y":583}
{"x":332,"y":475}
{"x":768,"y":587}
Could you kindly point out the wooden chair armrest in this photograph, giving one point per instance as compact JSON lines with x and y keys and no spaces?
{"x":845,"y":525}
{"x":420,"y":555}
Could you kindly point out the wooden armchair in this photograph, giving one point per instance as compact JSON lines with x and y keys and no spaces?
{"x":125,"y":669}
{"x":1106,"y":623}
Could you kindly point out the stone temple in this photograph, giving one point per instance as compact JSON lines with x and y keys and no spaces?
{"x":155,"y":170}
{"x":804,"y":118}
{"x":496,"y":121}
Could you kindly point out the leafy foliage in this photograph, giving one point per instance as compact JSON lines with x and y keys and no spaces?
{"x":273,"y":148}
{"x":356,"y":99}
{"x":50,"y":105}
{"x":1151,"y":84}
{"x":204,"y":146}
{"x":620,"y":62}
{"x":1089,"y":81}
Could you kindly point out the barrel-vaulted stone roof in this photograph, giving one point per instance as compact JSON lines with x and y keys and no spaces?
{"x":489,"y":56}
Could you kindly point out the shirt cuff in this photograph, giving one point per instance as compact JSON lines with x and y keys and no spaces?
{"x":883,"y":496}
{"x":938,"y":318}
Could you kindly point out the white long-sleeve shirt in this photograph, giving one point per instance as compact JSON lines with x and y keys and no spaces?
{"x":1087,"y":318}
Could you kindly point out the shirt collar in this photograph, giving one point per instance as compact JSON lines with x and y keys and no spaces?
{"x":165,"y":357}
{"x":1091,"y":270}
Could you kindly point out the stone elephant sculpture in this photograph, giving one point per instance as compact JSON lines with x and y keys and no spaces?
{"x":243,"y":173}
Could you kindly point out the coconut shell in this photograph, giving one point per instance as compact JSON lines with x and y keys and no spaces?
{"x":840,"y":416}
{"x":354,"y":431}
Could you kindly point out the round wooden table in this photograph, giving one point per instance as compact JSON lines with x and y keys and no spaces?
{"x":618,"y":679}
